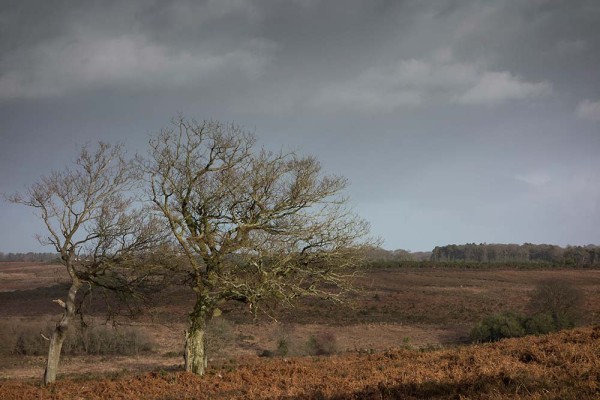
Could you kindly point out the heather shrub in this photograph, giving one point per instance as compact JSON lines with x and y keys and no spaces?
{"x":22,"y":337}
{"x":104,"y":340}
{"x":31,"y":339}
{"x":7,"y":338}
{"x":285,"y":345}
{"x":322,"y":344}
{"x":29,"y":342}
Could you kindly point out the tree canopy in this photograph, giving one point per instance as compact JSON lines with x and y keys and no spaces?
{"x":255,"y":226}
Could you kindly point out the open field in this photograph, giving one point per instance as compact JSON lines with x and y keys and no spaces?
{"x":396,"y":308}
{"x":25,"y":276}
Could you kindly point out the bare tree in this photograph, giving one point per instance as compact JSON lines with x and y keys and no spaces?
{"x":254,"y":225}
{"x":91,"y":223}
{"x":558,"y":299}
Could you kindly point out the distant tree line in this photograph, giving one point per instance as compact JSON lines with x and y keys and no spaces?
{"x":382,"y":257}
{"x":487,"y":253}
{"x":29,"y":257}
{"x":379,"y":254}
{"x":579,"y":256}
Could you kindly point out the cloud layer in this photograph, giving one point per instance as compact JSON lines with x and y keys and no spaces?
{"x":588,"y":110}
{"x":463,"y":120}
{"x":415,"y":82}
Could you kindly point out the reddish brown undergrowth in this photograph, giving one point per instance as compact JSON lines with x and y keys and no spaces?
{"x":559,"y":366}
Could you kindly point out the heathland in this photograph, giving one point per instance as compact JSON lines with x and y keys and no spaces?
{"x":405,"y":333}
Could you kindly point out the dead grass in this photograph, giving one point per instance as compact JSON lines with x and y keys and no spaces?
{"x":558,"y":366}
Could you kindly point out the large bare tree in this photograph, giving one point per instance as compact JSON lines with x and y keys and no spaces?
{"x":92,"y":223}
{"x":254,"y":225}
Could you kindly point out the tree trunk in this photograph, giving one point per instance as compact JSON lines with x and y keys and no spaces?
{"x":56,"y":342}
{"x":60,"y":333}
{"x":195,"y":344}
{"x":195,"y":351}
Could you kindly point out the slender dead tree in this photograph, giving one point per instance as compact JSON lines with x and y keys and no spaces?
{"x":91,"y":223}
{"x":254,"y":225}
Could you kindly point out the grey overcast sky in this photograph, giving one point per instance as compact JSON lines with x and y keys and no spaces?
{"x":455,"y":121}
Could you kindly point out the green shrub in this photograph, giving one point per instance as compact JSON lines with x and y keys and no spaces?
{"x":499,"y":326}
{"x":540,"y":324}
{"x":507,"y":325}
{"x":283,"y":347}
{"x":554,"y":305}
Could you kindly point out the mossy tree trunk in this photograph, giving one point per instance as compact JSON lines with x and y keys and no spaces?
{"x":195,"y":355}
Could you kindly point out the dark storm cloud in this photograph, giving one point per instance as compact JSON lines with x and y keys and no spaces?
{"x":325,"y":52}
{"x":132,"y":46}
{"x":556,"y":40}
{"x":454,"y":120}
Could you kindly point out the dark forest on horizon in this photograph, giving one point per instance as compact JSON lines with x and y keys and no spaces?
{"x":487,"y":253}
